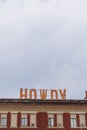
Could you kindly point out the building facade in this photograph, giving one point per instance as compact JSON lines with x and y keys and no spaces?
{"x":30,"y":114}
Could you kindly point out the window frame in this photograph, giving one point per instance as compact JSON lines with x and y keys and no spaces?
{"x":73,"y":122}
{"x":50,"y":121}
{"x":23,"y":121}
{"x":3,"y":121}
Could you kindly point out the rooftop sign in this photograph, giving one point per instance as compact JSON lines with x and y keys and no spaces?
{"x":43,"y":94}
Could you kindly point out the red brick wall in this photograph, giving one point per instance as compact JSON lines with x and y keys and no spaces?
{"x":86,"y":119}
{"x":66,"y":121}
{"x":42,"y":120}
{"x":18,"y":119}
{"x":8,"y":119}
{"x":32,"y":129}
{"x":78,"y":122}
{"x":41,"y":129}
{"x":28,"y":119}
{"x":55,"y":120}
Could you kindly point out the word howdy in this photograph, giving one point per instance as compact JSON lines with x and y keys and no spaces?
{"x":42,"y":94}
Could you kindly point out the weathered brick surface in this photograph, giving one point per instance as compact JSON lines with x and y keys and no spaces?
{"x":66,"y":121}
{"x":33,"y":129}
{"x":55,"y":120}
{"x":8,"y":119}
{"x":78,"y":122}
{"x":28,"y":119}
{"x":18,"y":119}
{"x":42,"y":129}
{"x":86,"y":119}
{"x":42,"y":107}
{"x":42,"y":120}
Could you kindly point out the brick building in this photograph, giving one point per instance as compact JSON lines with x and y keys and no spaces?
{"x":30,"y":114}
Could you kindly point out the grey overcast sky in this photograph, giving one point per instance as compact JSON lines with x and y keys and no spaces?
{"x":43,"y":44}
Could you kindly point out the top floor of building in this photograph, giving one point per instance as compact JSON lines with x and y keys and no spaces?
{"x":39,"y":114}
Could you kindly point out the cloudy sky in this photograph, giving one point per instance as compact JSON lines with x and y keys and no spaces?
{"x":43,"y":44}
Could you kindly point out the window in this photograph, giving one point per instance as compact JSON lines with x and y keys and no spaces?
{"x":73,"y":122}
{"x":24,"y":121}
{"x":50,"y":121}
{"x":3,"y":121}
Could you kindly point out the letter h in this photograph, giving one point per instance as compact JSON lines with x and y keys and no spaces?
{"x":23,"y":93}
